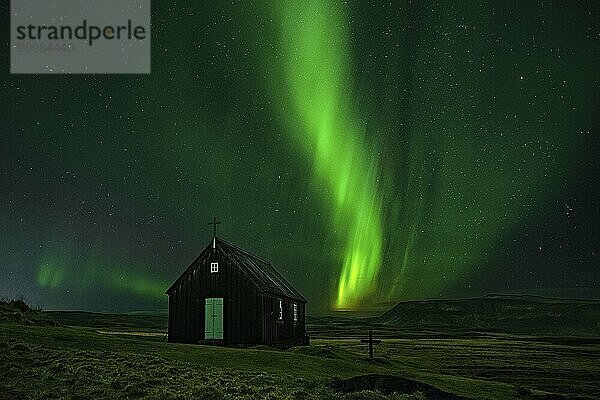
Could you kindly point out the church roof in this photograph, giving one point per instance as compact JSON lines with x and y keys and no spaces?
{"x":257,"y":269}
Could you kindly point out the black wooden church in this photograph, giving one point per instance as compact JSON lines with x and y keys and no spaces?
{"x":228,"y":296}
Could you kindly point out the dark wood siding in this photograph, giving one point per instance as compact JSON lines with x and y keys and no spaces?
{"x":250,"y":316}
{"x":283,"y":332}
{"x":241,"y":313}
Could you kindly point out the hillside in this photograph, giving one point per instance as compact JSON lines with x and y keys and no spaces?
{"x":19,"y":312}
{"x":527,"y":315}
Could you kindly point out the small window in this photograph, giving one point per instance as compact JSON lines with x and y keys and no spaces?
{"x":295,"y":307}
{"x":214,"y":267}
{"x":280,"y":310}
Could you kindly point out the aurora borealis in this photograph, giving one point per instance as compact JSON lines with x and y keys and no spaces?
{"x":316,"y":56}
{"x":374,"y":152}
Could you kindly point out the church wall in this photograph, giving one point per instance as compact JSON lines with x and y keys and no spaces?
{"x":284,"y":332}
{"x":249,"y":316}
{"x":241,"y":308}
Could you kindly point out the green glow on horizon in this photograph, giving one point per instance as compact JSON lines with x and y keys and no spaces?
{"x":318,"y":79}
{"x":60,"y":272}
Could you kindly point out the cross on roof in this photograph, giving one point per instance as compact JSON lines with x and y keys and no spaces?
{"x":214,"y":224}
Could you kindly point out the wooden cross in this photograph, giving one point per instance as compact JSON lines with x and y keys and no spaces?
{"x":214,"y":224}
{"x":371,"y":342}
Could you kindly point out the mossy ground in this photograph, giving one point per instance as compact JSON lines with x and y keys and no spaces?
{"x":44,"y":362}
{"x":43,"y":358}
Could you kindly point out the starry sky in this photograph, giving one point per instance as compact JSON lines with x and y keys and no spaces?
{"x":372,"y":151}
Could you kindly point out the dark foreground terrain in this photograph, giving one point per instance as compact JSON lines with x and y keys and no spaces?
{"x":101,"y":356}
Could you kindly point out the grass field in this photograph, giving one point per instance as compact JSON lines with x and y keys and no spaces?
{"x":55,"y":362}
{"x":83,"y":361}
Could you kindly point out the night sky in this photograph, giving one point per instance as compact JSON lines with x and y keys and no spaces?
{"x":373,"y":151}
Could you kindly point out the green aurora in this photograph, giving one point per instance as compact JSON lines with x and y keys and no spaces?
{"x":455,"y":192}
{"x":53,"y":275}
{"x":374,"y":152}
{"x":316,"y":62}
